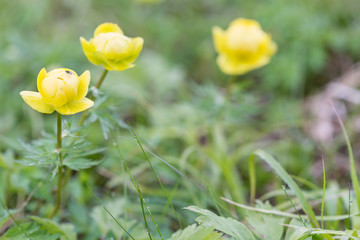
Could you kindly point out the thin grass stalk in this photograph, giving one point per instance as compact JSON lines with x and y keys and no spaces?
{"x":215,"y":202}
{"x":323,"y":194}
{"x":142,"y":201}
{"x":293,"y":205}
{"x":156,"y":175}
{"x":165,"y":209}
{"x":97,"y":199}
{"x":252,"y":179}
{"x":354,"y":178}
{"x":280,"y":171}
{"x":349,"y":221}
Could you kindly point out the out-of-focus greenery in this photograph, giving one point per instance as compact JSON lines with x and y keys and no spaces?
{"x":182,"y":107}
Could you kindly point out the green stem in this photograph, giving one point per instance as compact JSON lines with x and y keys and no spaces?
{"x":101,"y":79}
{"x":92,"y":97}
{"x":229,"y":87}
{"x":60,"y":167}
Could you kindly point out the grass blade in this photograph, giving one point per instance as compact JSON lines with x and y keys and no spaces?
{"x":142,"y":201}
{"x":354,"y":179}
{"x":97,"y":199}
{"x":157,"y":177}
{"x":287,"y":214}
{"x":290,"y":182}
{"x":252,"y":179}
{"x":323,"y":195}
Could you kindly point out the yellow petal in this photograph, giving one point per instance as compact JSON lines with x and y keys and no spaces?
{"x":272,"y":48}
{"x":75,"y":106}
{"x":89,"y":49}
{"x":33,"y":99}
{"x":232,"y":67}
{"x":93,"y":56}
{"x":137,"y":44}
{"x":42,"y":74}
{"x":107,"y":27}
{"x":84,"y":81}
{"x":244,"y":22}
{"x":219,"y":39}
{"x":123,"y":64}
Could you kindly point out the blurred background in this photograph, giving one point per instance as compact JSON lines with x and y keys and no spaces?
{"x":175,"y":99}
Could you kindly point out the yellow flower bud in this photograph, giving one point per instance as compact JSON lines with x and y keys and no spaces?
{"x":60,"y":90}
{"x":111,"y":48}
{"x":243,"y":47}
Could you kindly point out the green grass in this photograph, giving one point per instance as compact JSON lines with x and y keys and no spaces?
{"x":174,"y":132}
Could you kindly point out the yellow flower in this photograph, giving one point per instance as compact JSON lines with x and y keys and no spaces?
{"x":111,"y":48}
{"x":244,"y":46}
{"x":61,"y":90}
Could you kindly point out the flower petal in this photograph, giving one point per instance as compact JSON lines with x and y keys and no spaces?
{"x":120,"y":66}
{"x":137,"y":44}
{"x":41,"y":76}
{"x":93,"y":56}
{"x":75,"y":107}
{"x":107,"y":27}
{"x":219,"y":39}
{"x":33,"y":99}
{"x":83,"y":87}
{"x":231,"y":67}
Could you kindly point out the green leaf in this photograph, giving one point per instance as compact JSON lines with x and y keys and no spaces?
{"x":80,"y":163}
{"x":194,"y":232}
{"x":267,"y":226}
{"x":301,"y":234}
{"x":32,"y":230}
{"x":66,"y":230}
{"x":229,"y":226}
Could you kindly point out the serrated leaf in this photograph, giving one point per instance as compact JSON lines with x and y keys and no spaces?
{"x":66,"y":230}
{"x":229,"y":226}
{"x":29,"y":230}
{"x":267,"y":226}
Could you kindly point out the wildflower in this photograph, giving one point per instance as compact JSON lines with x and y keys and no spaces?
{"x":244,"y":46}
{"x":60,"y":90}
{"x":111,"y":48}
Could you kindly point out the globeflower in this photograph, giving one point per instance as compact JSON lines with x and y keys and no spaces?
{"x":60,"y":90}
{"x":111,"y":48}
{"x":244,"y":46}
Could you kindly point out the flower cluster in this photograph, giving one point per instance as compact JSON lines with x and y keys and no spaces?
{"x":244,"y":46}
{"x":62,"y":90}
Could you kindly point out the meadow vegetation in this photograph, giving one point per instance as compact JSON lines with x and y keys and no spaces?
{"x":179,"y":120}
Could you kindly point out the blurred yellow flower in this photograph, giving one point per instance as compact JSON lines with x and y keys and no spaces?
{"x":61,"y":90}
{"x":243,"y":47}
{"x":111,"y":48}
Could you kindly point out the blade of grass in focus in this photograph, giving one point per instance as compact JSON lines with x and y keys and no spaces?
{"x":290,"y":182}
{"x":156,"y":175}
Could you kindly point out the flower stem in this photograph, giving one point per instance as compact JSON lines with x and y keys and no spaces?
{"x":60,"y":167}
{"x":101,"y":79}
{"x":92,"y":97}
